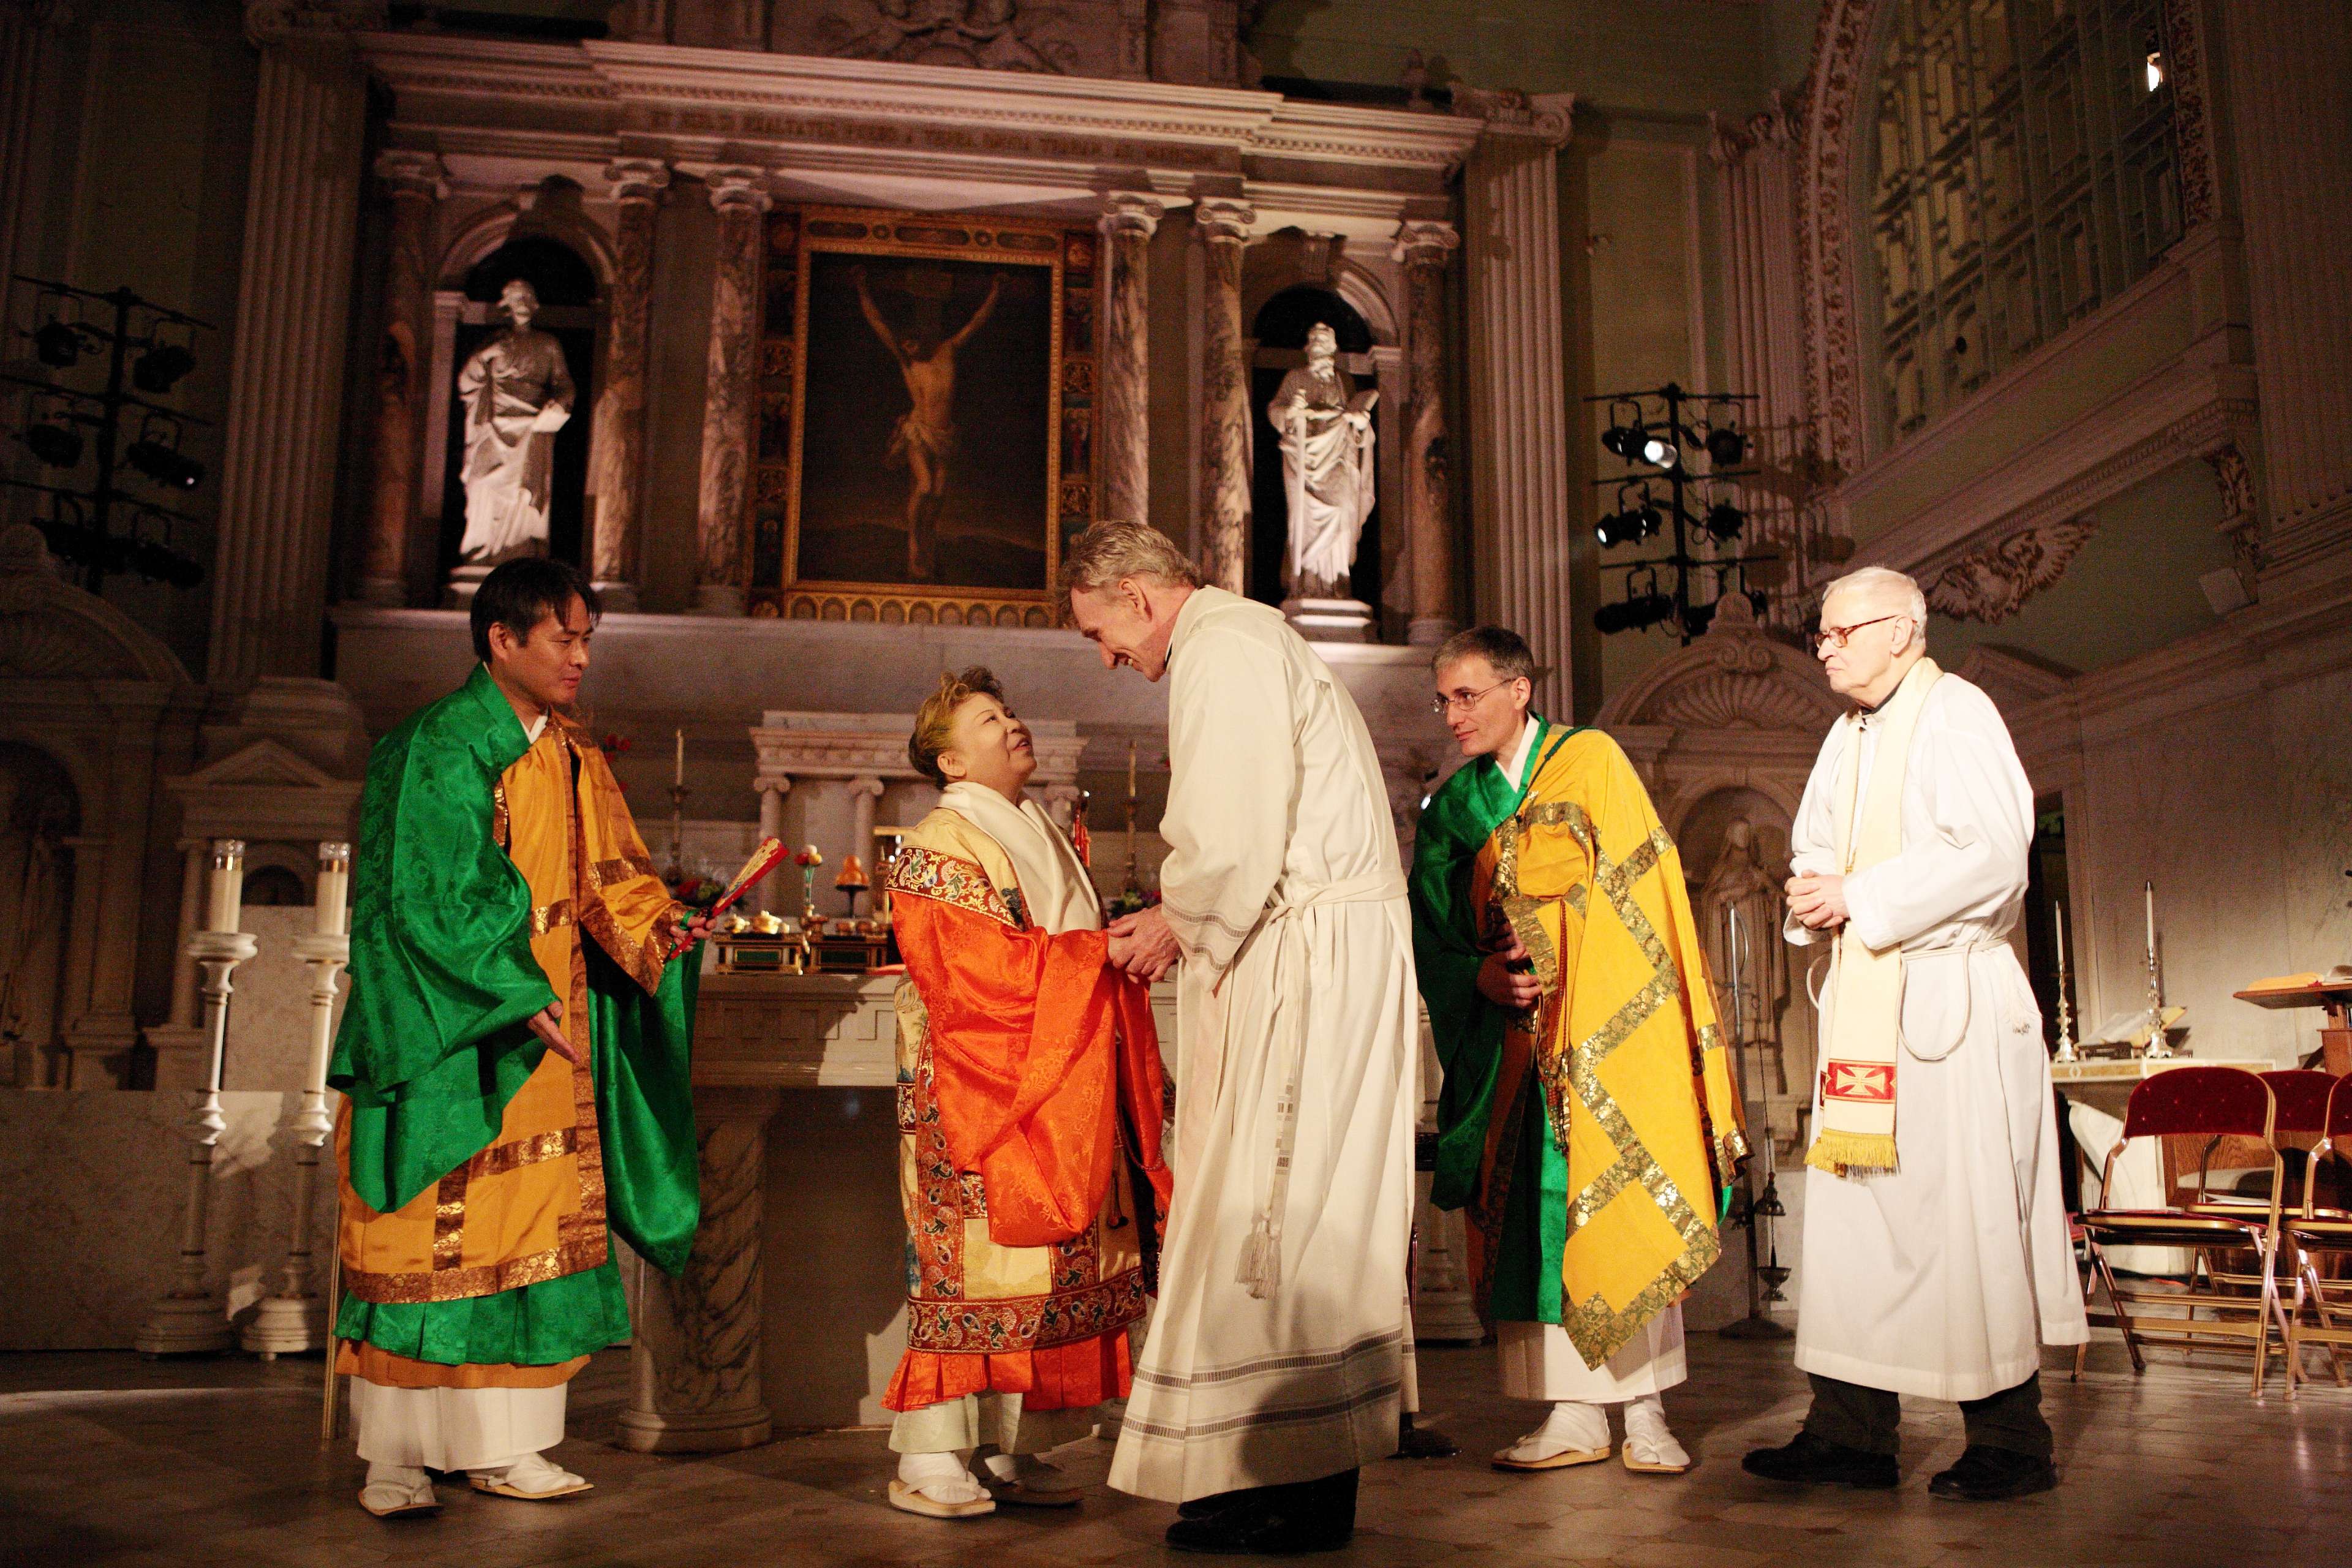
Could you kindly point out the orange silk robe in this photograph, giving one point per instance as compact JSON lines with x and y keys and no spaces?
{"x":1029,"y":1079}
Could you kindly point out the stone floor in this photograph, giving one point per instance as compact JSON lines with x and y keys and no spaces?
{"x":108,"y":1460}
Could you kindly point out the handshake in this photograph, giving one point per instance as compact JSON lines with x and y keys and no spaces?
{"x":1143,"y":947}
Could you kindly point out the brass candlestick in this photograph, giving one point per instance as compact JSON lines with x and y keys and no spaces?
{"x":2065,"y":1052}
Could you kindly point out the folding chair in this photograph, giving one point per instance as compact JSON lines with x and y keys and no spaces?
{"x":2210,"y":1104}
{"x":2314,"y":1232}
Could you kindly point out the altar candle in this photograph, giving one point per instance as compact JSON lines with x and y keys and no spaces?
{"x":229,"y":884}
{"x":678,"y":773}
{"x":2058,"y":924}
{"x":2149,"y":887}
{"x":334,"y":887}
{"x":1130,"y":773}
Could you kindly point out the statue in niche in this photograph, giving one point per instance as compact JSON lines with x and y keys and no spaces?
{"x":1740,"y":880}
{"x":518,"y":392}
{"x":1327,"y":466}
{"x":994,"y":34}
{"x":925,"y":437}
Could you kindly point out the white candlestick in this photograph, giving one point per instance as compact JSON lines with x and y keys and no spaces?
{"x":227,"y":885}
{"x":2150,"y":889}
{"x":334,"y":888}
{"x":678,"y":773}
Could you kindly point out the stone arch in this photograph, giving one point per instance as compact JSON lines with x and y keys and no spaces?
{"x":551,"y":209}
{"x":1736,"y":676}
{"x":50,"y":630}
{"x":1362,"y":289}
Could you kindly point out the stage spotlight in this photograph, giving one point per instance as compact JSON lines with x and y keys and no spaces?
{"x":161,"y":366}
{"x":1660,"y":451}
{"x":1621,"y":441}
{"x":164,"y":465}
{"x":1724,"y":520}
{"x":58,"y":345}
{"x":1641,"y":611}
{"x":1697,"y":618}
{"x":59,"y":445}
{"x":1726,"y":448}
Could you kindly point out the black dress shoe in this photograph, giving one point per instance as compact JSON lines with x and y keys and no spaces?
{"x":1421,"y":1442}
{"x":1994,"y":1475}
{"x":1818,"y":1461}
{"x":1276,"y":1522}
{"x":1215,"y":1503}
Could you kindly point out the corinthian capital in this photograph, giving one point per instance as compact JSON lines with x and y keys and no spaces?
{"x":737,"y":185}
{"x":636,"y":179}
{"x":409,"y":172}
{"x":1425,"y":242}
{"x":1130,"y":212}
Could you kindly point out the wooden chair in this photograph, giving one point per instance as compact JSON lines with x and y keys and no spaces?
{"x":2312,"y":1233}
{"x":2210,"y":1104}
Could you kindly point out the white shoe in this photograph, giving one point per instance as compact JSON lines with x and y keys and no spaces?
{"x":531,"y":1478}
{"x":936,"y":1486}
{"x":1024,"y":1479}
{"x":1649,"y":1447}
{"x":393,"y":1490}
{"x":1575,"y":1434}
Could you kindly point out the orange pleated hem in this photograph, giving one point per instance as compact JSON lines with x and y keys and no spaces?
{"x":380,"y":1366}
{"x":1071,"y":1376}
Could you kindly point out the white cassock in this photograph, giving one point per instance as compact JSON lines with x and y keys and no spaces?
{"x":1284,"y":886}
{"x":1944,"y":1277}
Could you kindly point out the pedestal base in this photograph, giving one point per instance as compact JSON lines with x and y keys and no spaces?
{"x":185,"y":1325}
{"x":718,"y":599}
{"x":1330,"y":620}
{"x":618,"y":597}
{"x":718,"y":1432}
{"x":182,"y":1055}
{"x":463,"y":581}
{"x":286,"y":1325}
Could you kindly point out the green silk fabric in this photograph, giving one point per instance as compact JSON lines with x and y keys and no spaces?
{"x":1447,"y":949}
{"x":435,"y":1041}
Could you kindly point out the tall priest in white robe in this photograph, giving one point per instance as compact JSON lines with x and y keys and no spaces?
{"x":1935,"y":1260}
{"x":1278,"y":1358}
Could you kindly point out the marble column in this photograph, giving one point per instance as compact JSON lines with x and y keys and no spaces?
{"x":1127,"y":223}
{"x":1765,"y":292}
{"x":865,"y":795}
{"x":24,"y":43}
{"x":1225,"y":228}
{"x":180,"y":1042}
{"x":619,"y":439}
{"x":413,"y":185}
{"x":286,"y":355}
{"x":1424,"y":248}
{"x":694,"y":1358}
{"x":740,"y":198}
{"x":2288,"y":63}
{"x":772,"y":788}
{"x":1520,"y":515}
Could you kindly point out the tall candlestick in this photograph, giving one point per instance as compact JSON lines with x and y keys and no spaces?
{"x":2065,"y":1014}
{"x":227,"y":885}
{"x":1130,"y":771}
{"x":678,"y":772}
{"x":2150,"y":889}
{"x":334,"y":887}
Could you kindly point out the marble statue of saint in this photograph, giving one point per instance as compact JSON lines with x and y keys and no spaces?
{"x":925,"y":437}
{"x":518,"y":392}
{"x":1740,"y":880}
{"x":1327,"y":467}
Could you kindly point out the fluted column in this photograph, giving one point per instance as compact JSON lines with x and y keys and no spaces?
{"x":1224,"y":227}
{"x":1766,"y":340}
{"x":740,"y":198}
{"x":1127,"y":223}
{"x":24,"y":41}
{"x":694,"y":1358}
{"x":1426,"y":248}
{"x":413,"y":185}
{"x":619,"y":438}
{"x":286,"y":361}
{"x":772,"y":788}
{"x":2289,"y":61}
{"x":1518,"y":381}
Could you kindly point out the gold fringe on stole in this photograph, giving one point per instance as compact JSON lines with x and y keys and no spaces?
{"x":1843,"y":1153}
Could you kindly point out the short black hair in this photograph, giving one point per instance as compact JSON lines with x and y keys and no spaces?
{"x":1503,"y":650}
{"x":525,"y":591}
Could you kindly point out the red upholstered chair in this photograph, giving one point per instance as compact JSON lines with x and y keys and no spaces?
{"x":2212,"y":1103}
{"x":2310,"y":1233}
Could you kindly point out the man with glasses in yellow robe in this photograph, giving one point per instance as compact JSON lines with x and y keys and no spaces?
{"x":1587,"y":1120}
{"x":513,"y":1059}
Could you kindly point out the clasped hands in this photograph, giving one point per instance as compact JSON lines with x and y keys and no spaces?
{"x":1819,"y":901}
{"x":1142,"y":946}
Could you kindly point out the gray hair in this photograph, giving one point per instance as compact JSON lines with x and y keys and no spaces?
{"x":1110,"y":550}
{"x":1885,"y":583}
{"x":1504,"y":651}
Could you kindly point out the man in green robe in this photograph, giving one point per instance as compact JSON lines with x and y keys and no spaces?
{"x":1586,"y":1119}
{"x":514,"y":1092}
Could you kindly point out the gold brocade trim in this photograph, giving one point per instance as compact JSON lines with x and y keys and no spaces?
{"x":605,"y":873}
{"x":546,"y":918}
{"x":499,"y":1159}
{"x":482,"y":1280}
{"x":501,"y":822}
{"x":948,"y":879}
{"x":642,"y":961}
{"x":449,"y":1219}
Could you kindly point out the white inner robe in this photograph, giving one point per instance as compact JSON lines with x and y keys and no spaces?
{"x":1944,"y":1277}
{"x":1538,"y":1361}
{"x":455,"y":1428}
{"x":1276,"y":795}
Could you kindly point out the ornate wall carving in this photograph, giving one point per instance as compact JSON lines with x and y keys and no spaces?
{"x":1992,"y":584}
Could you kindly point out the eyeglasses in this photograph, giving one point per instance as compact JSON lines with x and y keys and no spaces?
{"x":1835,"y":637}
{"x":1442,"y":706}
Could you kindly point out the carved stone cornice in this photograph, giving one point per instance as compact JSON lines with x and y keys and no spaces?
{"x":1425,"y":242}
{"x":268,"y":21}
{"x":1993,"y":584}
{"x":1547,"y":117}
{"x":1130,"y":212}
{"x":412,"y":173}
{"x":636,"y":180}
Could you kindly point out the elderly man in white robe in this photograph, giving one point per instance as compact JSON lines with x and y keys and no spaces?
{"x":1278,"y":1361}
{"x":1935,"y":1254}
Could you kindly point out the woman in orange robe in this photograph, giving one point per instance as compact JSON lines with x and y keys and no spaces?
{"x":1029,"y":1092}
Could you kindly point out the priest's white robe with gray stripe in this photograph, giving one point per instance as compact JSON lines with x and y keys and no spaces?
{"x":1284,"y":884}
